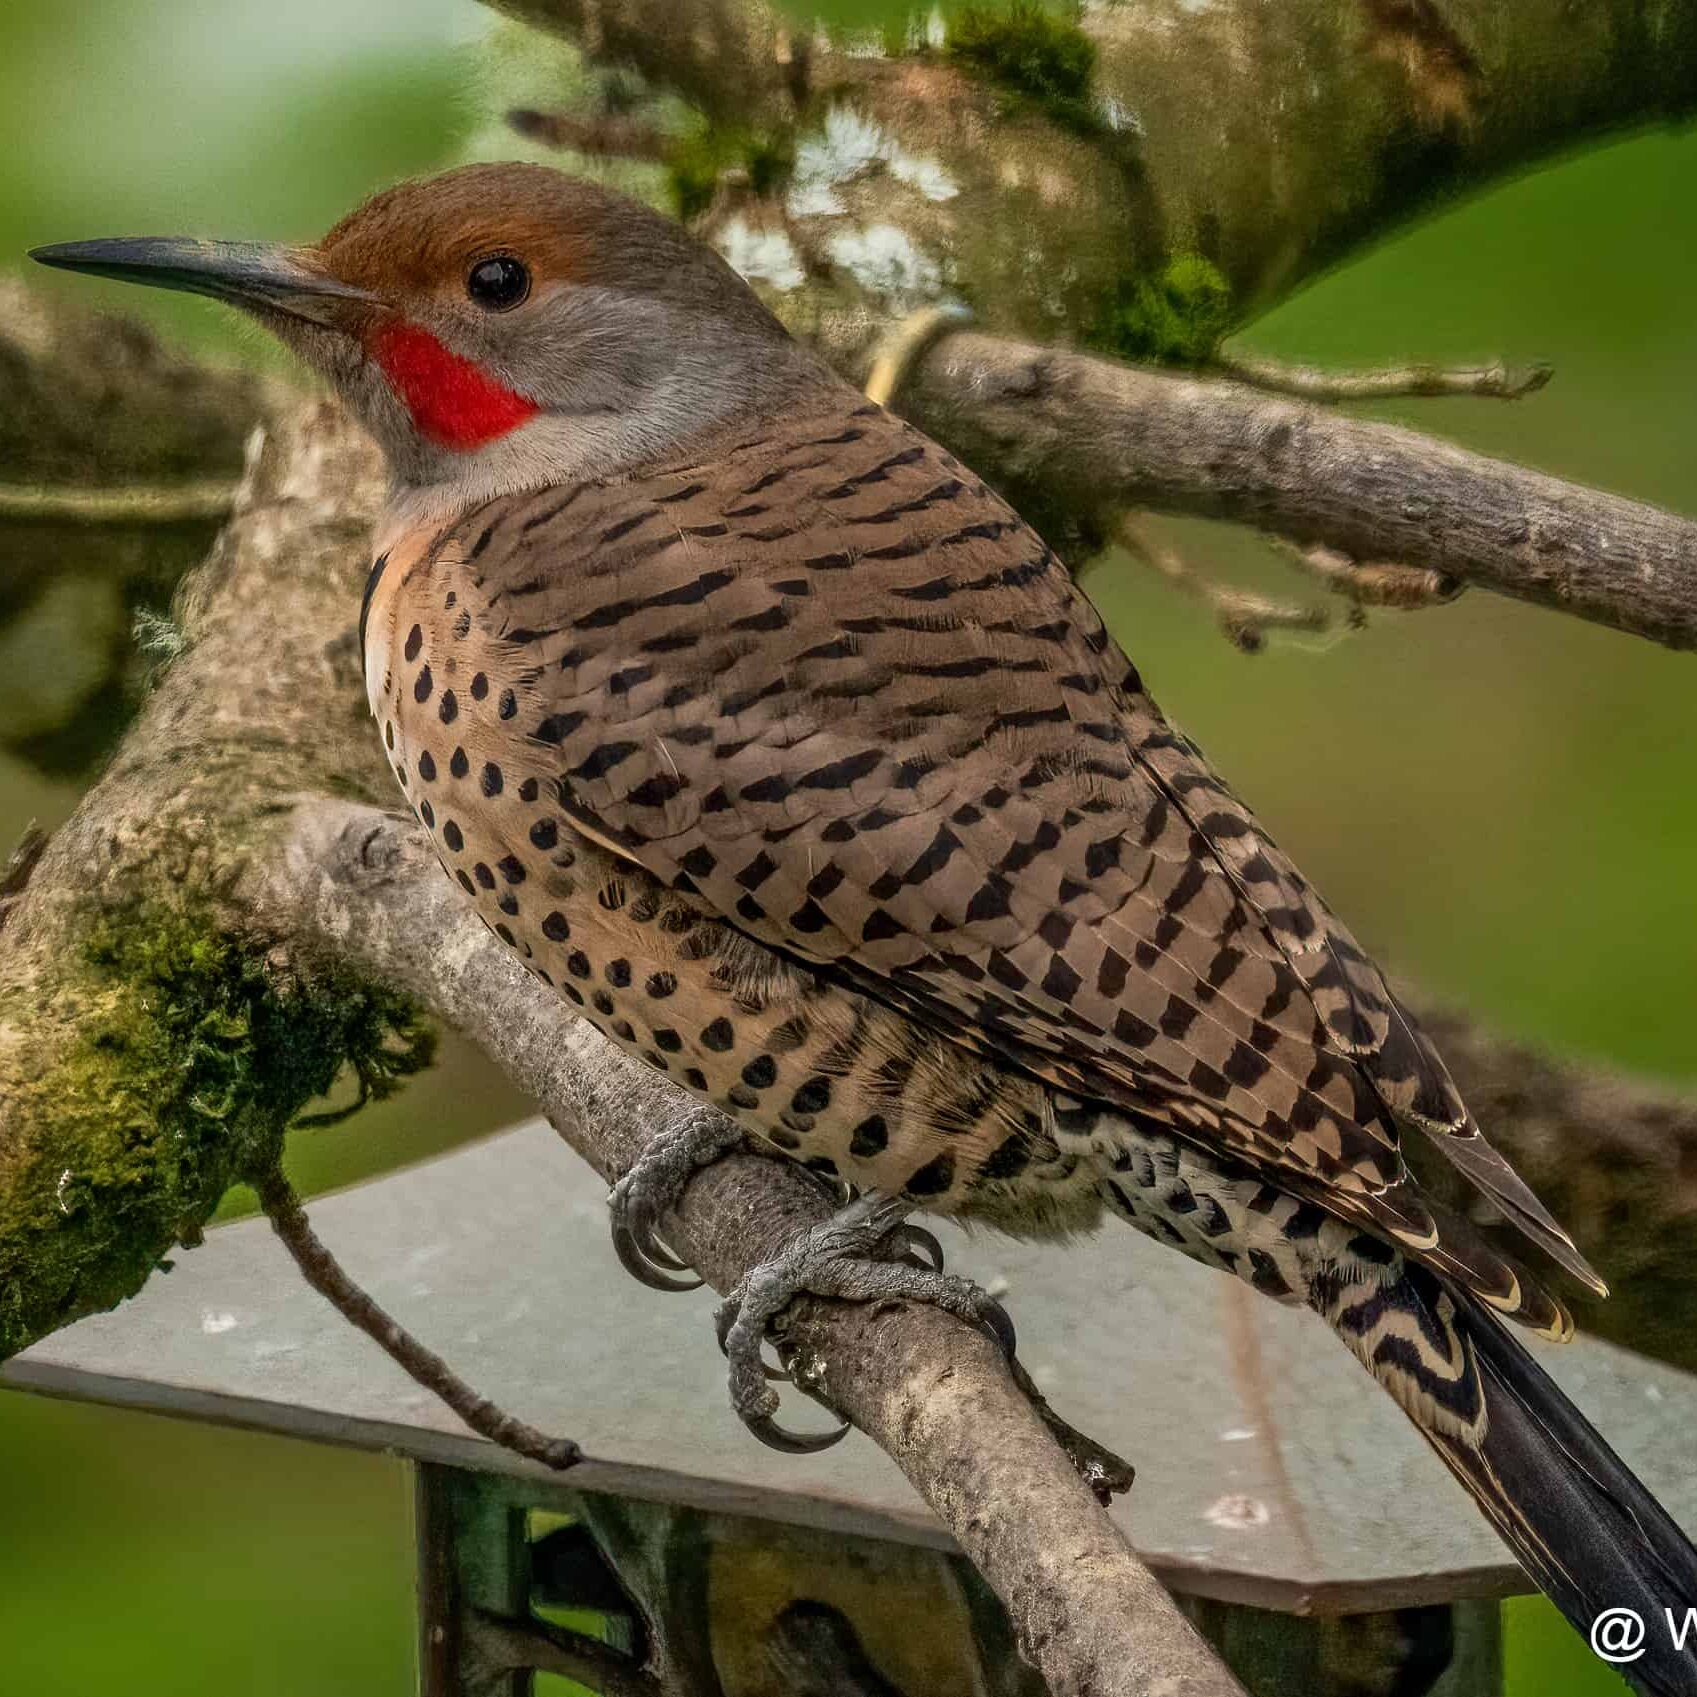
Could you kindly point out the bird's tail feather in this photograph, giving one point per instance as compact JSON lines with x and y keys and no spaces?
{"x":1582,"y":1524}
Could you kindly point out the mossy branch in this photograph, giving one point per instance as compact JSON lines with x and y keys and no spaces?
{"x":157,"y":1033}
{"x":1191,"y":164}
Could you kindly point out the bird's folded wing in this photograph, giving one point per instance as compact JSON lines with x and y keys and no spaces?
{"x":833,"y":685}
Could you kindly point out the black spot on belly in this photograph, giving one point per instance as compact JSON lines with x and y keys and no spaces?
{"x":760,"y":1073}
{"x":1008,"y":1159}
{"x":718,"y":1036}
{"x":427,"y":766}
{"x":812,"y":1098}
{"x":452,"y":835}
{"x":871,"y":1137}
{"x":555,"y":927}
{"x":933,"y":1178}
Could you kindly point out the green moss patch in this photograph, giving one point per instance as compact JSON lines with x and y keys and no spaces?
{"x":198,"y":1051}
{"x":1038,"y":55}
{"x":1176,"y":317}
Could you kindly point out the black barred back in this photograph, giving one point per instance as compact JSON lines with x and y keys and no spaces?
{"x":828,"y":684}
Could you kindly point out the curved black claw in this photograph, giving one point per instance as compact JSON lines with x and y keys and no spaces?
{"x":650,"y":1190}
{"x":649,"y":1262}
{"x":920,"y":1244}
{"x":776,"y":1437}
{"x":840,"y":1258}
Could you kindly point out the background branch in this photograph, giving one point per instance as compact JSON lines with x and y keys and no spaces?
{"x":1496,"y":381}
{"x":1097,"y":436}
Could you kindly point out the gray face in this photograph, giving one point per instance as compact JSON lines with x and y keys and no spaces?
{"x":617,"y":377}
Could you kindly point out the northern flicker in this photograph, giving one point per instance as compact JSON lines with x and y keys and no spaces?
{"x":778,"y":746}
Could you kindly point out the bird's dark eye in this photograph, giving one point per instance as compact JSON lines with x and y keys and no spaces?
{"x":498,"y":283}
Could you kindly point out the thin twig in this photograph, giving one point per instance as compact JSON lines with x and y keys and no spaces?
{"x":1372,"y":584}
{"x":206,"y":500}
{"x":611,"y":135}
{"x":1496,"y":381}
{"x":510,"y":1645}
{"x":1244,"y":616}
{"x":326,"y":1276}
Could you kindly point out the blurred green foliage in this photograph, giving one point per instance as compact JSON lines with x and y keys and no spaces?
{"x":1499,"y":799}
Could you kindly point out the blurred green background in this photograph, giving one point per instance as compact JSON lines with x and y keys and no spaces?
{"x":1500,"y":800}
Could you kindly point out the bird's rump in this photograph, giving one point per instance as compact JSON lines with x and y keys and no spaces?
{"x":831,"y":685}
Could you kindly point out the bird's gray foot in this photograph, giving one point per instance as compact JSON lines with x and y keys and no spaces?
{"x":652,"y":1187}
{"x":842,"y":1258}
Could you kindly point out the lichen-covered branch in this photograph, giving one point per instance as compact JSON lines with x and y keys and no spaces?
{"x":1142,"y":178}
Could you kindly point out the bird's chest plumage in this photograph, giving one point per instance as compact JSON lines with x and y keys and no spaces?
{"x":828,"y":1076}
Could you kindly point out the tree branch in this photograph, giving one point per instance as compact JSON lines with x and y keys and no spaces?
{"x":1244,"y":617}
{"x":931,"y":1391}
{"x":157,"y":416}
{"x":203,"y":501}
{"x":1497,"y":381}
{"x":1096,"y":436}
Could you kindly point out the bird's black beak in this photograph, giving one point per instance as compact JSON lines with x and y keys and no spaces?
{"x":255,"y":275}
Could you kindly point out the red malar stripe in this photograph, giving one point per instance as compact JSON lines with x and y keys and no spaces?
{"x":453,"y":402}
